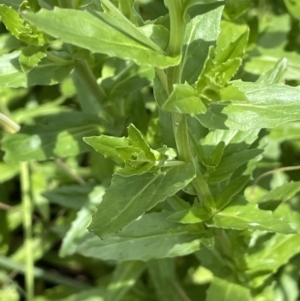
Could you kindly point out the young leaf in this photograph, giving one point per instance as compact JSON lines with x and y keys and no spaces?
{"x":184,"y":100}
{"x":101,"y":33}
{"x":197,"y":41}
{"x":20,"y":28}
{"x":106,"y":145}
{"x":148,"y":237}
{"x":241,"y":215}
{"x":223,"y":61}
{"x":129,"y":197}
{"x":61,"y":137}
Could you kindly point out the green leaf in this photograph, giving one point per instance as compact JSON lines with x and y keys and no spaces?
{"x":264,"y":106}
{"x":276,"y":75}
{"x":233,"y":188}
{"x":293,"y":8}
{"x":13,"y":3}
{"x":285,"y":132}
{"x":148,"y":237}
{"x":216,"y":155}
{"x":223,"y":290}
{"x":134,"y":151}
{"x":8,"y":171}
{"x":197,"y":41}
{"x":8,"y":43}
{"x":193,"y":215}
{"x":269,"y":254}
{"x":240,"y":215}
{"x":102,"y":33}
{"x":235,"y":141}
{"x":69,"y":196}
{"x":136,"y":138}
{"x":229,"y":164}
{"x":61,"y":136}
{"x":126,"y":274}
{"x":165,"y":118}
{"x":129,"y":197}
{"x":106,"y":145}
{"x":11,"y":74}
{"x":223,"y":61}
{"x":46,"y":73}
{"x":27,"y":115}
{"x":30,"y":57}
{"x":282,"y":193}
{"x":184,"y":100}
{"x":269,"y":59}
{"x":95,"y":294}
{"x":127,"y":79}
{"x":163,"y":276}
{"x":20,"y":28}
{"x":86,"y":100}
{"x":82,"y":220}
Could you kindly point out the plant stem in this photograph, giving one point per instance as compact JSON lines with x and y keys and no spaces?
{"x":180,"y":126}
{"x":27,"y":225}
{"x":180,"y":122}
{"x":85,"y":72}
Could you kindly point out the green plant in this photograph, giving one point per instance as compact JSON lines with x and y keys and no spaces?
{"x":165,"y":116}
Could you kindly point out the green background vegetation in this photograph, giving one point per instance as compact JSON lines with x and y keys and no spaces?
{"x":222,"y":220}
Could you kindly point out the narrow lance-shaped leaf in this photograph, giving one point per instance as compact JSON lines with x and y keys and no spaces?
{"x":148,"y":237}
{"x":253,"y":106}
{"x":99,"y":33}
{"x":129,"y":197}
{"x":240,"y":215}
{"x":275,"y":252}
{"x":282,"y":193}
{"x":276,"y":75}
{"x":61,"y":137}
